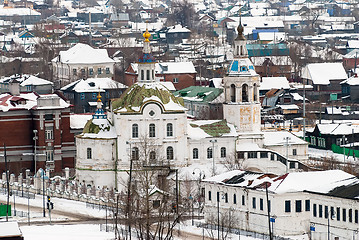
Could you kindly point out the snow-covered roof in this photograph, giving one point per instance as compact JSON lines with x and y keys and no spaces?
{"x":353,"y":44}
{"x":352,"y":81}
{"x":325,"y":182}
{"x":279,"y":138}
{"x":23,"y":101}
{"x":322,"y":73}
{"x":272,"y":36}
{"x":78,"y":121}
{"x":170,"y":67}
{"x":352,"y":54}
{"x":18,"y":11}
{"x":337,"y":129}
{"x":210,"y":128}
{"x":83,"y":54}
{"x":27,"y":80}
{"x":288,"y":107}
{"x":178,"y":29}
{"x":9,"y":229}
{"x":98,"y":128}
{"x":93,"y":85}
{"x":241,"y":66}
{"x":139,"y":94}
{"x":297,"y":97}
{"x":269,"y":83}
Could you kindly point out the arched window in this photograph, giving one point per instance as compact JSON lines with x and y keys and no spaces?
{"x":233,"y":93}
{"x":142,"y":75}
{"x":223,"y":152}
{"x":152,"y":130}
{"x":135,"y":130}
{"x":195,"y":153}
{"x":148,"y":74}
{"x":209,"y":153}
{"x":169,"y":153}
{"x":135,"y":153}
{"x":169,"y":130}
{"x":89,"y":153}
{"x":255,"y":89}
{"x":245,"y":93}
{"x":152,"y":156}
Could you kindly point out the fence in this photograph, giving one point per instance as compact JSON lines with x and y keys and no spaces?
{"x":23,"y":194}
{"x":348,"y":151}
{"x":237,"y":231}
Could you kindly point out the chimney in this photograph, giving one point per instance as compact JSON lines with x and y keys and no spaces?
{"x":14,"y":87}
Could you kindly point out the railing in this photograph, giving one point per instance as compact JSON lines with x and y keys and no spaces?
{"x":23,"y":194}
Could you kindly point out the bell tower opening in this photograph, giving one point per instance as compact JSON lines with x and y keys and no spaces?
{"x":245,"y":93}
{"x":233,"y":93}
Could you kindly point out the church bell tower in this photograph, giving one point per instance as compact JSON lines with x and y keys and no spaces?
{"x":241,"y":85}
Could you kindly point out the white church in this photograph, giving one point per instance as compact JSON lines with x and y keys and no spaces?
{"x":148,"y":120}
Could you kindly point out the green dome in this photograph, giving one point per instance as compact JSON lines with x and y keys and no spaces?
{"x":135,"y":97}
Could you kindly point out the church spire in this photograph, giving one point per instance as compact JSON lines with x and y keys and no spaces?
{"x":99,"y":113}
{"x":146,"y":63}
{"x":240,"y":48}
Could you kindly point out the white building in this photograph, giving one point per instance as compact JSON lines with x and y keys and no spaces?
{"x":81,"y":61}
{"x":299,"y":203}
{"x":149,"y":125}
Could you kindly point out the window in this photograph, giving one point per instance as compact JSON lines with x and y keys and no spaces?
{"x":254,"y":203}
{"x":255,"y":89}
{"x":234,"y":199}
{"x":135,"y":153}
{"x":344,"y":215}
{"x":321,"y":142}
{"x":252,"y":154}
{"x":291,"y":165}
{"x":74,"y":72}
{"x":175,"y":80}
{"x":152,"y":130}
{"x":350,"y":215}
{"x":94,"y":95}
{"x":245,"y":93}
{"x":49,"y":117}
{"x":152,"y":156}
{"x":107,"y":70}
{"x":326,"y":212}
{"x":209,"y":153}
{"x":298,"y":205}
{"x":82,"y":96}
{"x":49,"y":133}
{"x":331,"y":214}
{"x":338,"y":214}
{"x":148,"y":74}
{"x":314,"y":210}
{"x":170,"y":153}
{"x":195,"y":153}
{"x":83,"y":72}
{"x":169,"y":130}
{"x":142,"y":75}
{"x":233,"y":93}
{"x":29,"y":88}
{"x":240,"y":155}
{"x":153,"y":74}
{"x":135,"y":130}
{"x":272,"y":156}
{"x":209,"y":196}
{"x":89,"y":153}
{"x":307,"y":205}
{"x":356,"y":216}
{"x":217,"y":196}
{"x":226,"y":197}
{"x":294,"y":152}
{"x":243,"y":200}
{"x":91,"y":71}
{"x":223,"y":152}
{"x":49,"y":155}
{"x":312,"y":141}
{"x":264,"y":154}
{"x":99,"y":71}
{"x":269,"y":206}
{"x":156,"y":204}
{"x":287,"y":206}
{"x":261,"y":204}
{"x":320,"y":211}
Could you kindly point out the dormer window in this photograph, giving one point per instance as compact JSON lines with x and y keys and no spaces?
{"x":244,"y":69}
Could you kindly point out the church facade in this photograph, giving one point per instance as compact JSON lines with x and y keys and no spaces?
{"x":148,"y":125}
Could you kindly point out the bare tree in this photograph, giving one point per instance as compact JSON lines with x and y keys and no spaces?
{"x":233,"y":162}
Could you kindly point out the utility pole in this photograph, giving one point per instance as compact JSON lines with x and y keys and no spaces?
{"x":268,"y":213}
{"x":129,"y":192}
{"x":7,"y":185}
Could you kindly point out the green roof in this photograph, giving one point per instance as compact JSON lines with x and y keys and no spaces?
{"x":215,"y":129}
{"x":90,"y":127}
{"x":136,"y":95}
{"x":204,"y":94}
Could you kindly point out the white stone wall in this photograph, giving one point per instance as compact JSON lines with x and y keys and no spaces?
{"x":286,"y":223}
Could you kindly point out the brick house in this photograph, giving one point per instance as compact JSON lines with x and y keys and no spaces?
{"x":26,"y":115}
{"x":181,"y":74}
